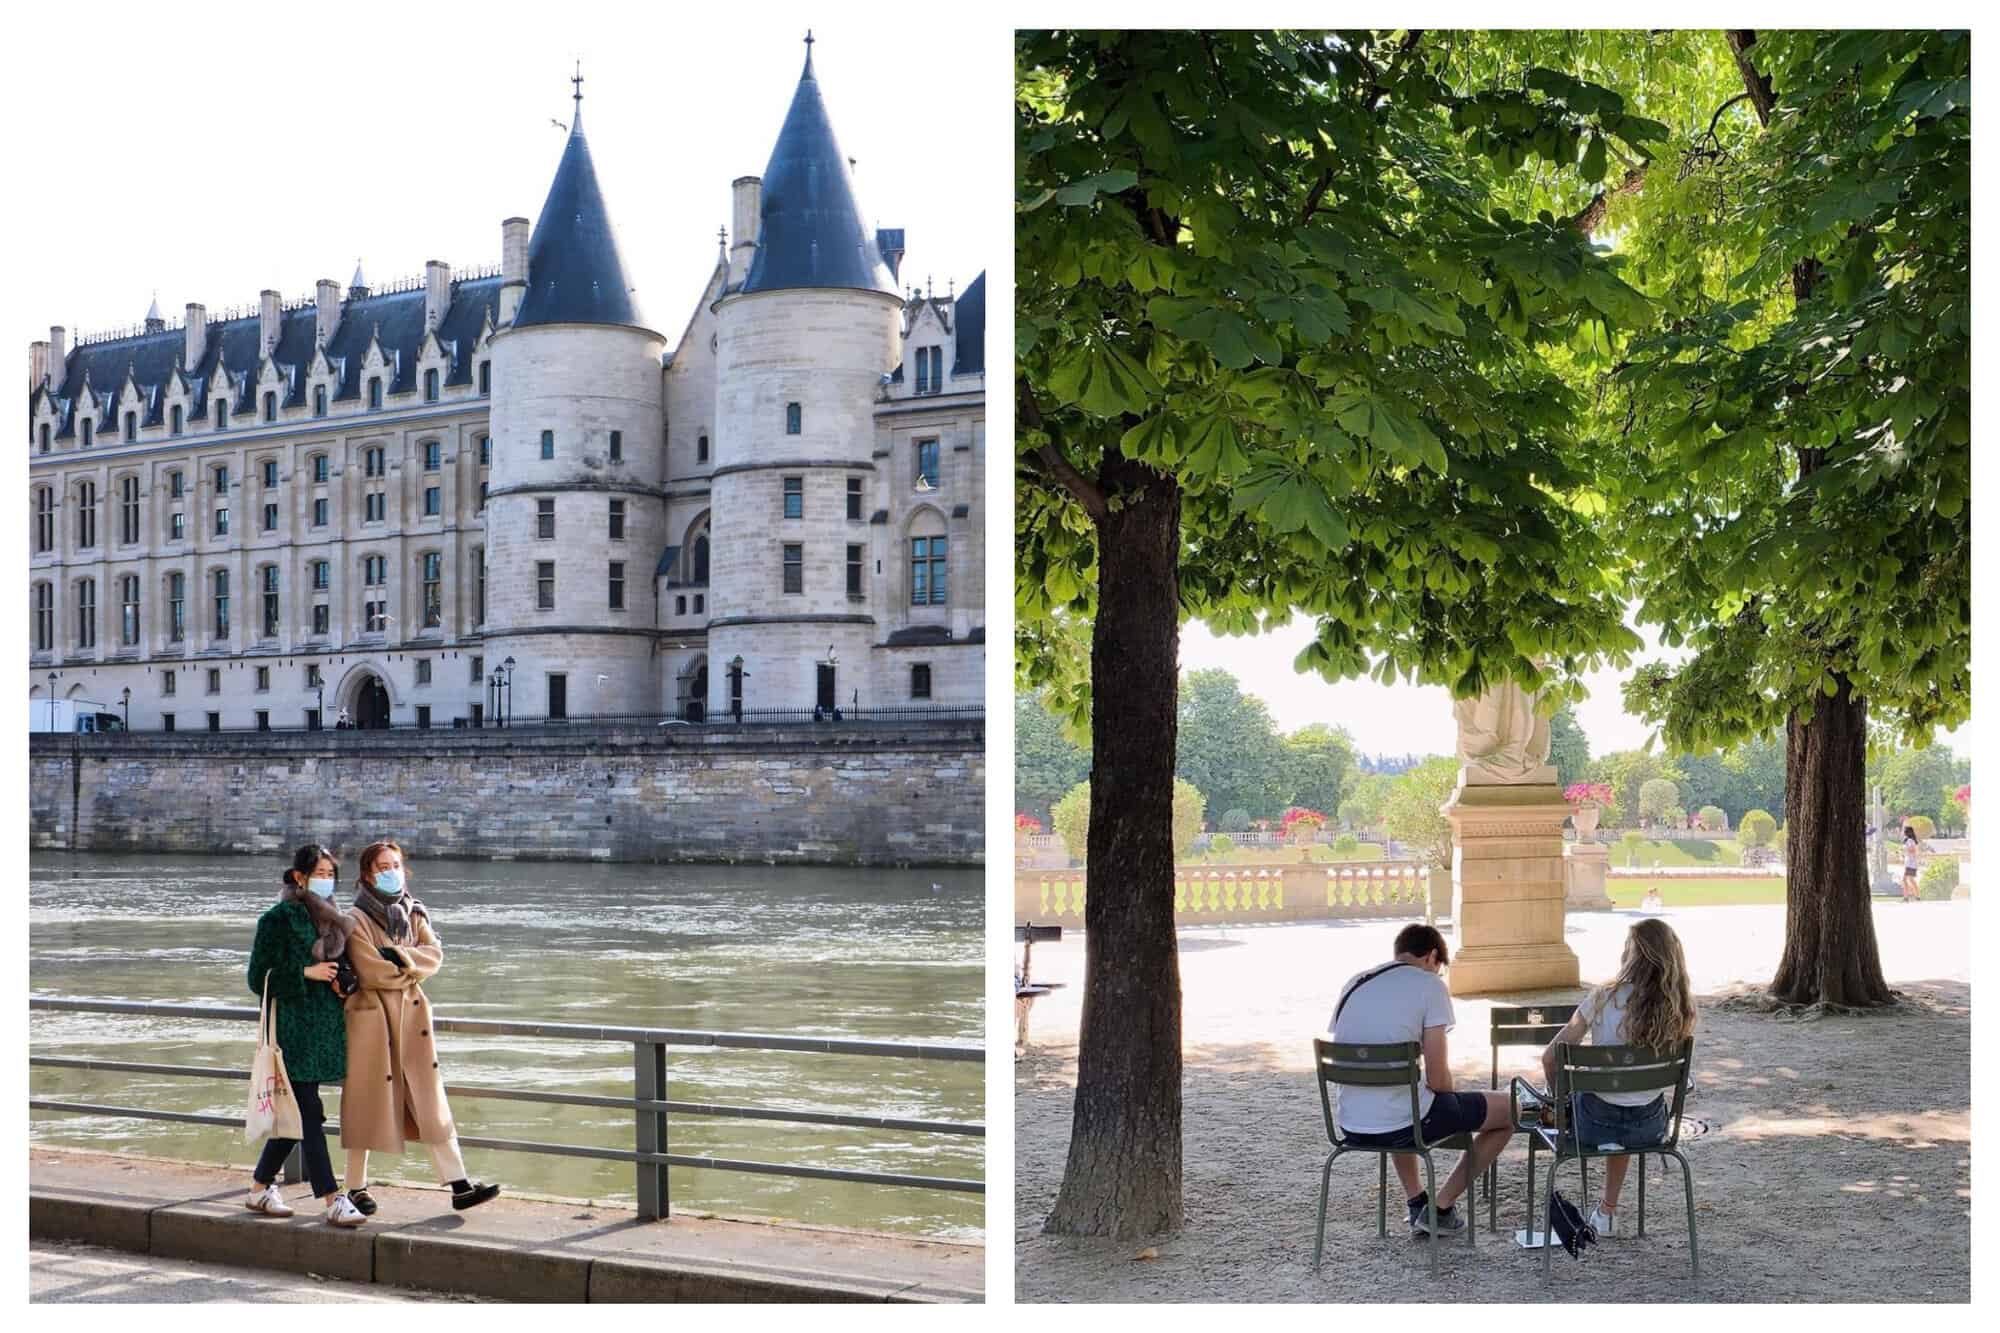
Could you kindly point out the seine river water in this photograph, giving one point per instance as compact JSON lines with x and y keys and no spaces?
{"x":877,"y":954}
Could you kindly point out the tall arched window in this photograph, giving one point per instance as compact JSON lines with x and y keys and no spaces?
{"x":45,"y":618}
{"x":430,"y":386}
{"x":86,"y":613}
{"x":86,"y":515}
{"x":128,"y":610}
{"x":929,"y":584}
{"x":128,"y":511}
{"x":221,"y":577}
{"x":270,"y":579}
{"x":433,"y":572}
{"x":177,"y":607}
{"x":45,"y":519}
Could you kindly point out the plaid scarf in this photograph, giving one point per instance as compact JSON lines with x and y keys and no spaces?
{"x":393,"y":915}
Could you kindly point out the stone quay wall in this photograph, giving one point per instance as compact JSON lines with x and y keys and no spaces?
{"x":874,"y":794}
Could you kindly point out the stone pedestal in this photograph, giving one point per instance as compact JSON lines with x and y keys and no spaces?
{"x":1584,"y":867}
{"x":1507,"y":880}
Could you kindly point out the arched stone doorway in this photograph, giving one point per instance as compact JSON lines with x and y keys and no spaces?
{"x":692,"y":703}
{"x":371,"y":703}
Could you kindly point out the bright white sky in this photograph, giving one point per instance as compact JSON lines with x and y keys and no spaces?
{"x":1399,"y":719}
{"x":211,"y":154}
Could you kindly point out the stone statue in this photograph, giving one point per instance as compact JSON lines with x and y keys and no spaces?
{"x":1502,"y":737}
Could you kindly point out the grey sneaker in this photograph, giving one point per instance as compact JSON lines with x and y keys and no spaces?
{"x":1447,"y":1223}
{"x":1604,"y":1224}
{"x":268,"y":1201}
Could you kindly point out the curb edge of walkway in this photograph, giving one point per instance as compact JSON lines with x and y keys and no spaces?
{"x":191,"y":1230}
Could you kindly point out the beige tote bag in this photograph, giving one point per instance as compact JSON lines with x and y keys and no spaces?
{"x":273,"y":1112}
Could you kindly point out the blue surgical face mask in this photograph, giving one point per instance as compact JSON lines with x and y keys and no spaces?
{"x":322,"y":887}
{"x":389,"y":883}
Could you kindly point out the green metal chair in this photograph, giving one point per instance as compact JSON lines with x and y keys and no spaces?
{"x":1384,"y":1065}
{"x":1611,"y":1069}
{"x":1521,"y":1025}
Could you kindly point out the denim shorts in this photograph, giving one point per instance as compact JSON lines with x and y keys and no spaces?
{"x":1451,"y":1113}
{"x":1598,"y":1122}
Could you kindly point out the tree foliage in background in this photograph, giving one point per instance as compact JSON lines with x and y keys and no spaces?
{"x":1229,"y":747}
{"x":1756,"y":828}
{"x":1714,"y":818}
{"x":1072,"y":819}
{"x":1411,"y":809}
{"x":1656,"y":797}
{"x":1319,"y":766}
{"x":1046,"y":762}
{"x":1915,"y":782}
{"x":1361,"y":808}
{"x":1627,"y":771}
{"x":1569,"y":748}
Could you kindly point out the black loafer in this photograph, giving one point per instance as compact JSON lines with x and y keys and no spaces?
{"x":361,"y":1201}
{"x":471,"y":1198}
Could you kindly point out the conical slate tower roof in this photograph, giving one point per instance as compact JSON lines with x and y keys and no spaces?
{"x":575,"y":275}
{"x":813,"y":233}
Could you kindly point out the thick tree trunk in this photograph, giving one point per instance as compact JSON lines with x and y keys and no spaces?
{"x":1830,"y":953}
{"x":1123,"y":1176}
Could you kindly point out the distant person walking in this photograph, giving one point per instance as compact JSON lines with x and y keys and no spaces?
{"x":299,"y":950}
{"x":1909,"y":863}
{"x":1649,"y":1003}
{"x":394,"y":1091}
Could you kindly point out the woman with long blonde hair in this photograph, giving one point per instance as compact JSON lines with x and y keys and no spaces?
{"x":1650,"y":1004}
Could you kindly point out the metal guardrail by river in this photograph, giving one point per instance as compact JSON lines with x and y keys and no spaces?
{"x":649,"y":1101}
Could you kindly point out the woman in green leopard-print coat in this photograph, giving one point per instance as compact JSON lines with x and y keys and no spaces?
{"x":299,"y":951}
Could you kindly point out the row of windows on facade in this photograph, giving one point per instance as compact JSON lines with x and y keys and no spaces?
{"x":928,"y":587}
{"x":374,"y":465}
{"x":557,"y":693}
{"x":374,"y":503}
{"x":177,"y":414}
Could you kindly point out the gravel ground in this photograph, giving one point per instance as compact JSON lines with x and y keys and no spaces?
{"x":1832,"y":1157}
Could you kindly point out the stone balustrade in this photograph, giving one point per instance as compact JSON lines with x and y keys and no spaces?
{"x":1245,"y":894}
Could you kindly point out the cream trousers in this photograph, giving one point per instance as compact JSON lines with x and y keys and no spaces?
{"x":445,"y":1160}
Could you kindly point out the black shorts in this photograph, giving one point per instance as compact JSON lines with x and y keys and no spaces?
{"x":1451,"y":1113}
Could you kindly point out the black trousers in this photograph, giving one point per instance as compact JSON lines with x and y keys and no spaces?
{"x":319,"y":1162}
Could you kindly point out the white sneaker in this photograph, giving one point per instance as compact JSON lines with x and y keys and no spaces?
{"x":269,"y":1201}
{"x":342,"y":1213}
{"x":1604,"y":1224}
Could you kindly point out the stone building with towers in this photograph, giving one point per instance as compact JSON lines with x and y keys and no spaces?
{"x":513,"y":491}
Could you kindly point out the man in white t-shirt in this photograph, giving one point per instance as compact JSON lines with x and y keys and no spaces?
{"x":1406,"y":1000}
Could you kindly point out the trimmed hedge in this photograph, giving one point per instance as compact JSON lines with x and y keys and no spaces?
{"x":1937,"y":881}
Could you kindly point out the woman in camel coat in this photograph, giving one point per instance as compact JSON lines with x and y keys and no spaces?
{"x":394,"y":1090}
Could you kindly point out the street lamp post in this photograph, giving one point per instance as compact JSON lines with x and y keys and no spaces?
{"x":52,"y":701}
{"x":128,"y":708}
{"x":507,"y":695}
{"x":737,"y":675}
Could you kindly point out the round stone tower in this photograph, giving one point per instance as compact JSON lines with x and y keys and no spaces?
{"x":575,"y":510}
{"x":802,"y":345}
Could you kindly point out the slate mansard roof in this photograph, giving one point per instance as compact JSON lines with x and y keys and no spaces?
{"x":812,"y":232}
{"x":575,"y":274}
{"x":397,"y":319}
{"x":969,"y":329}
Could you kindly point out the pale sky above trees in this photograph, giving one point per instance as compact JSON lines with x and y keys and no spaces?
{"x":1403,"y":718}
{"x":253,"y":149}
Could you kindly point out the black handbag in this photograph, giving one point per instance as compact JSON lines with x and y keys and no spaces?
{"x":1576,"y":1234}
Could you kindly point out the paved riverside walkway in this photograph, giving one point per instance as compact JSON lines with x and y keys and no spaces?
{"x":511,"y":1249}
{"x":1832,"y":1157}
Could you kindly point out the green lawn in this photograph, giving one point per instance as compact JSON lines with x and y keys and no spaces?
{"x":1668,"y":852}
{"x":1677,"y":892}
